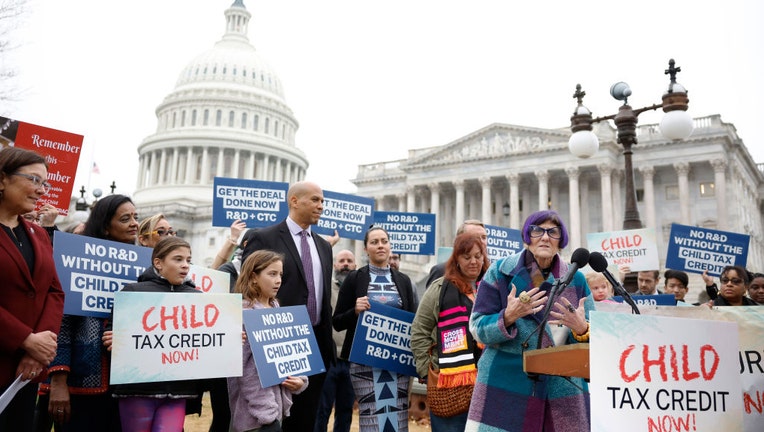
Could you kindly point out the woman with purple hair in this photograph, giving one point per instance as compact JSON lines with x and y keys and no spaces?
{"x":508,"y":309}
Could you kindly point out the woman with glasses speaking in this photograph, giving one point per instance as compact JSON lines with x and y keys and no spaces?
{"x":32,"y":301}
{"x":506,"y":316}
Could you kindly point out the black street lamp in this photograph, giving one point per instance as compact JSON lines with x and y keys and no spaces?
{"x":675,"y":125}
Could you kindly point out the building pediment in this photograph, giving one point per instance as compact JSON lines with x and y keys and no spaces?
{"x":493,"y":141}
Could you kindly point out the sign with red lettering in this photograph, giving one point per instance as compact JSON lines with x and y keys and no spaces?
{"x":60,"y":149}
{"x":175,"y":336}
{"x":660,"y":374}
{"x":636,"y":249}
{"x":209,"y":280}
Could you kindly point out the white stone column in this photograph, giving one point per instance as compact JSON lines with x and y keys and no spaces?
{"x":648,"y":172}
{"x":174,"y":166}
{"x":401,"y":202}
{"x":205,"y":165}
{"x":525,"y":187}
{"x":141,"y":172}
{"x":279,"y":175}
{"x":514,"y":200}
{"x":720,"y":191}
{"x":606,"y":189}
{"x":435,"y":208}
{"x":235,"y":167}
{"x":251,"y":165}
{"x":190,"y":164}
{"x":574,"y":224}
{"x":220,"y":168}
{"x":162,"y":166}
{"x":379,"y":203}
{"x":554,"y":193}
{"x":682,"y":171}
{"x":410,"y":199}
{"x":267,"y":168}
{"x":543,"y":177}
{"x":620,"y":204}
{"x":485,"y":210}
{"x":153,"y":168}
{"x":585,"y":199}
{"x":459,"y":205}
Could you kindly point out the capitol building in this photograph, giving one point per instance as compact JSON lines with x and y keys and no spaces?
{"x":502,"y":173}
{"x":227,"y":117}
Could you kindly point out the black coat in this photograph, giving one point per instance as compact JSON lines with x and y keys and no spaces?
{"x":150,"y":281}
{"x":356,"y":285}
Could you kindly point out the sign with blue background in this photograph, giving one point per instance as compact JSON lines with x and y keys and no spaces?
{"x":282,"y":343}
{"x":349,"y":215}
{"x":651,"y":300}
{"x":383,"y":339}
{"x":410,"y":233}
{"x":696,"y":249}
{"x":91,"y":270}
{"x":503,"y":242}
{"x":257,"y":203}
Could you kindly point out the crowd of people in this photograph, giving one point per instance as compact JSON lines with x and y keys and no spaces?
{"x":470,"y":329}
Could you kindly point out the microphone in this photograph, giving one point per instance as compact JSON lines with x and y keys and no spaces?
{"x":598,"y":263}
{"x":578,"y":260}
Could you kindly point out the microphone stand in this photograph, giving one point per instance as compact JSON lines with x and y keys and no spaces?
{"x":621,"y":291}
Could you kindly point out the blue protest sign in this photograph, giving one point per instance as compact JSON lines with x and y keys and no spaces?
{"x":91,"y":270}
{"x":696,"y":249}
{"x":257,"y":203}
{"x":503,"y":242}
{"x":410,"y":233}
{"x":350,"y":215}
{"x":651,"y":300}
{"x":282,"y":343}
{"x":383,"y":339}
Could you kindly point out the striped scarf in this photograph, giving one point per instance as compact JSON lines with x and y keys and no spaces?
{"x":457,"y":351}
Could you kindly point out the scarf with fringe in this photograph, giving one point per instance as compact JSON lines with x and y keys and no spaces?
{"x":457,"y":351}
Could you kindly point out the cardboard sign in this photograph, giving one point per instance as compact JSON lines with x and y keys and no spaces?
{"x":503,"y":242}
{"x":257,"y":203}
{"x":61,"y":151}
{"x":650,"y":374}
{"x":383,"y":339}
{"x":634,"y":248}
{"x":175,"y":336}
{"x":91,"y":270}
{"x":282,"y":343}
{"x":696,"y":249}
{"x":349,"y":215}
{"x":209,"y":280}
{"x":410,"y":233}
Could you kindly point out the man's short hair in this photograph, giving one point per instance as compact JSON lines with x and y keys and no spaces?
{"x":462,"y":227}
{"x":678,"y":275}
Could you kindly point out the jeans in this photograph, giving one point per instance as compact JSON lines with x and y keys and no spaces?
{"x":448,"y":424}
{"x":337,"y":391}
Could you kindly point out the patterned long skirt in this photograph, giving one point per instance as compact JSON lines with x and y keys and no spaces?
{"x":383,"y":399}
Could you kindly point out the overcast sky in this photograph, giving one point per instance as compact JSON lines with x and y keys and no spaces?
{"x":369,"y":80}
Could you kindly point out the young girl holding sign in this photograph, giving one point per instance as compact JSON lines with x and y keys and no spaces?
{"x":252,"y":406}
{"x":158,"y":405}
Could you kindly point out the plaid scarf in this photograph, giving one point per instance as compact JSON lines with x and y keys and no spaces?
{"x":457,"y":350}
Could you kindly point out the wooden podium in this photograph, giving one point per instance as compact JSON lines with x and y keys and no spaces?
{"x":567,"y":360}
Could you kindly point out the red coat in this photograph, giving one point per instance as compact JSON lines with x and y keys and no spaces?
{"x":30,"y":302}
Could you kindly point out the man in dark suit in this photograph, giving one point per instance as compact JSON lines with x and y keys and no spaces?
{"x":306,"y":203}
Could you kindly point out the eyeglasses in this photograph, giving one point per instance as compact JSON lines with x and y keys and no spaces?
{"x":38,"y":182}
{"x":735,"y":281}
{"x":163,"y":232}
{"x":537,"y":231}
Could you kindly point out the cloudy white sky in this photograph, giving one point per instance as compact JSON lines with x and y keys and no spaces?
{"x":369,"y":80}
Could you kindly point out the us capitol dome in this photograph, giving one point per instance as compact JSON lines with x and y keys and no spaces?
{"x":226,"y":117}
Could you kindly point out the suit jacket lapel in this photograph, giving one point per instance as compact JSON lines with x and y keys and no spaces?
{"x":286,"y":237}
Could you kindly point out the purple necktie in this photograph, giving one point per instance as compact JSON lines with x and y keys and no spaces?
{"x":307,"y":266}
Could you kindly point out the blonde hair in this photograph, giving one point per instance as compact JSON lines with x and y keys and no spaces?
{"x":593,"y":277}
{"x":148,"y":225}
{"x":255,"y":263}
